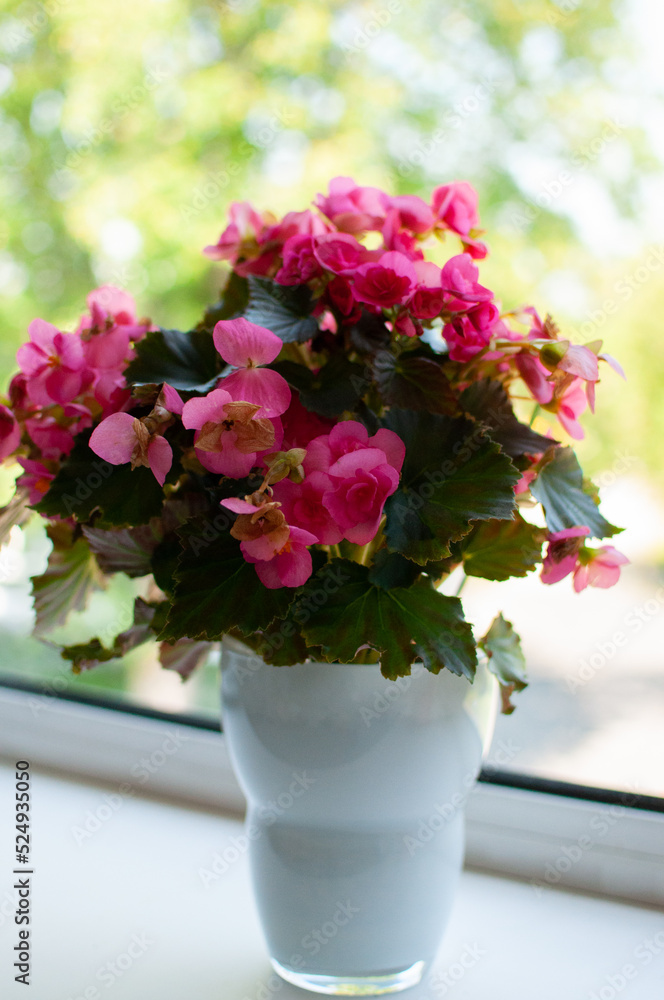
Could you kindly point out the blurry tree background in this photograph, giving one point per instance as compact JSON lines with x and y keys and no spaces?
{"x":127,"y":128}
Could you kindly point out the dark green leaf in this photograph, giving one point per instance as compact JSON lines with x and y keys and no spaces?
{"x":85,"y":482}
{"x":283,"y":309}
{"x":559,"y":488}
{"x":184,"y":360}
{"x":70,"y":578}
{"x":497,"y":550}
{"x":216,"y":590}
{"x":453,"y":475}
{"x":391,"y":569}
{"x":402,"y":624}
{"x":488,"y":402}
{"x":234,"y":301}
{"x":505,"y":659}
{"x":414,"y":383}
{"x":369,"y":334}
{"x":336,"y":387}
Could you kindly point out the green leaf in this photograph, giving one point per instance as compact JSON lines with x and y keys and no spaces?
{"x":402,"y":624}
{"x":453,"y":475}
{"x":497,"y":550}
{"x":559,"y":487}
{"x":505,"y":659}
{"x":234,"y":301}
{"x":216,"y":590}
{"x":71,"y":576}
{"x":85,"y":656}
{"x":414,"y":383}
{"x":184,"y":360}
{"x":283,"y":309}
{"x":281,"y":644}
{"x":391,"y":569}
{"x":488,"y":402}
{"x":335,"y":388}
{"x":85,"y":483}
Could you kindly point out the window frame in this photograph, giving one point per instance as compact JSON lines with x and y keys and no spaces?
{"x":552,"y":834}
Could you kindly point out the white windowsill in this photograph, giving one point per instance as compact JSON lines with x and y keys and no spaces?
{"x":138,"y":874}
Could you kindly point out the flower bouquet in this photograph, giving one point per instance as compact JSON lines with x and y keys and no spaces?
{"x":305,"y":467}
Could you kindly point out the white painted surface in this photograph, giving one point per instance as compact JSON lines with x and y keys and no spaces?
{"x":138,"y":874}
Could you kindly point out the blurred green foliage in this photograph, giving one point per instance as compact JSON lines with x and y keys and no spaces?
{"x":127,"y":128}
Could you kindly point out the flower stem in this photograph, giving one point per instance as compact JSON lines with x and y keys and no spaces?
{"x":461,"y":585}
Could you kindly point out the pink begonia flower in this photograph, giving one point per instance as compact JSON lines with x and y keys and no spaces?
{"x":414,"y":213}
{"x":569,"y":407}
{"x":245,"y":224}
{"x":341,"y":253}
{"x":602,"y":570}
{"x":229,"y":436}
{"x":52,"y":437}
{"x":36,"y":479}
{"x":53,"y":363}
{"x":580,"y":361}
{"x":476,"y":248}
{"x":535,"y":375}
{"x":349,"y":436}
{"x":278,"y":550}
{"x":299,"y":263}
{"x":387,"y":282}
{"x":351,"y":208}
{"x":305,"y":223}
{"x":398,"y":239}
{"x":10,"y":433}
{"x":290,"y":567}
{"x":364,"y":482}
{"x":562,"y":553}
{"x":304,"y":504}
{"x":455,"y":206}
{"x":429,"y":298}
{"x":108,"y":306}
{"x":459,"y":282}
{"x":407,"y":326}
{"x":470,"y":332}
{"x":247,"y":346}
{"x":340,"y":292}
{"x":523,"y":484}
{"x":122,"y":438}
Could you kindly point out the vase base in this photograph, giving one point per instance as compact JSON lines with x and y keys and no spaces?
{"x":352,"y":986}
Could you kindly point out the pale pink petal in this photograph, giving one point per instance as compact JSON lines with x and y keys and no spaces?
{"x":581,"y":578}
{"x":262,"y":387}
{"x":346,"y":433}
{"x":617,"y":367}
{"x":364,"y":458}
{"x":292,"y":569}
{"x":580,"y":361}
{"x":42,"y":334}
{"x":238,"y":506}
{"x":362,"y":534}
{"x":242,"y":343}
{"x":69,"y":347}
{"x":172,"y":399}
{"x":552,"y":571}
{"x":229,"y":462}
{"x":160,"y":457}
{"x":114,"y":302}
{"x":203,"y":409}
{"x":62,"y":385}
{"x":579,"y":531}
{"x":114,"y":439}
{"x":108,"y":350}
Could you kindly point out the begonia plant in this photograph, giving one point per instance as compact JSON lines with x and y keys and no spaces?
{"x":306,"y":466}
